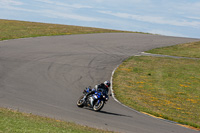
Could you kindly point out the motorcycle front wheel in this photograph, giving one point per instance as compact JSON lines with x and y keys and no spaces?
{"x":81,"y":101}
{"x":98,"y":106}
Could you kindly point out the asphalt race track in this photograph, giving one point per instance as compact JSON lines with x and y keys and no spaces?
{"x":46,"y":76}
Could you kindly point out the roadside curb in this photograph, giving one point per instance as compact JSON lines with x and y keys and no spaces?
{"x":113,"y":95}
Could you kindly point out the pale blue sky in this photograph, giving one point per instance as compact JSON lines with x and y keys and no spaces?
{"x":165,"y":17}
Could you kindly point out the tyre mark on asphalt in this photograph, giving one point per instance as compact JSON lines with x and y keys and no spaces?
{"x":89,"y":70}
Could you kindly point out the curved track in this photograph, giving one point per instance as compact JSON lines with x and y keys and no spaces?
{"x":46,"y":75}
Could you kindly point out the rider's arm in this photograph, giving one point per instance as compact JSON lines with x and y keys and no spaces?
{"x":96,"y":87}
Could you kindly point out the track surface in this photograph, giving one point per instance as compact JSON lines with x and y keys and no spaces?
{"x":46,"y":76}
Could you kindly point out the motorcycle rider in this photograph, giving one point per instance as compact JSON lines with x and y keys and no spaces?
{"x":103,"y":86}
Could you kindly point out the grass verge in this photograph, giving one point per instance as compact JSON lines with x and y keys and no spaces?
{"x":184,"y":50}
{"x":16,"y":122}
{"x":12,"y":29}
{"x":164,"y":87}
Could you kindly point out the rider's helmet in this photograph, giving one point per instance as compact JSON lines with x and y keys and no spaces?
{"x":107,"y":83}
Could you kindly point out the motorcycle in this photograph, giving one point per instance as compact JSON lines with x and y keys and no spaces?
{"x":92,"y":98}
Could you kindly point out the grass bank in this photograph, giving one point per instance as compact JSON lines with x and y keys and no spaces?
{"x":164,"y":87}
{"x":12,"y":29}
{"x":16,"y":122}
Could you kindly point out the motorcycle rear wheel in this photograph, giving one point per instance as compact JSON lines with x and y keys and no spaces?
{"x":98,"y":107}
{"x":81,"y":101}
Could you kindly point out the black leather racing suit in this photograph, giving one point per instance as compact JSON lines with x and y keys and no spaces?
{"x":101,"y":86}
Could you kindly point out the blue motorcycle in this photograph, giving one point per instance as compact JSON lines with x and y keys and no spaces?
{"x":92,"y":98}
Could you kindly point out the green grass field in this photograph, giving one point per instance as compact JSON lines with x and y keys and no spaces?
{"x":164,"y":87}
{"x":11,"y":29}
{"x":184,"y":50}
{"x":16,"y":122}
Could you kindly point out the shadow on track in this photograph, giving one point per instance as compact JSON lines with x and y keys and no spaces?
{"x":116,"y":114}
{"x":109,"y":113}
